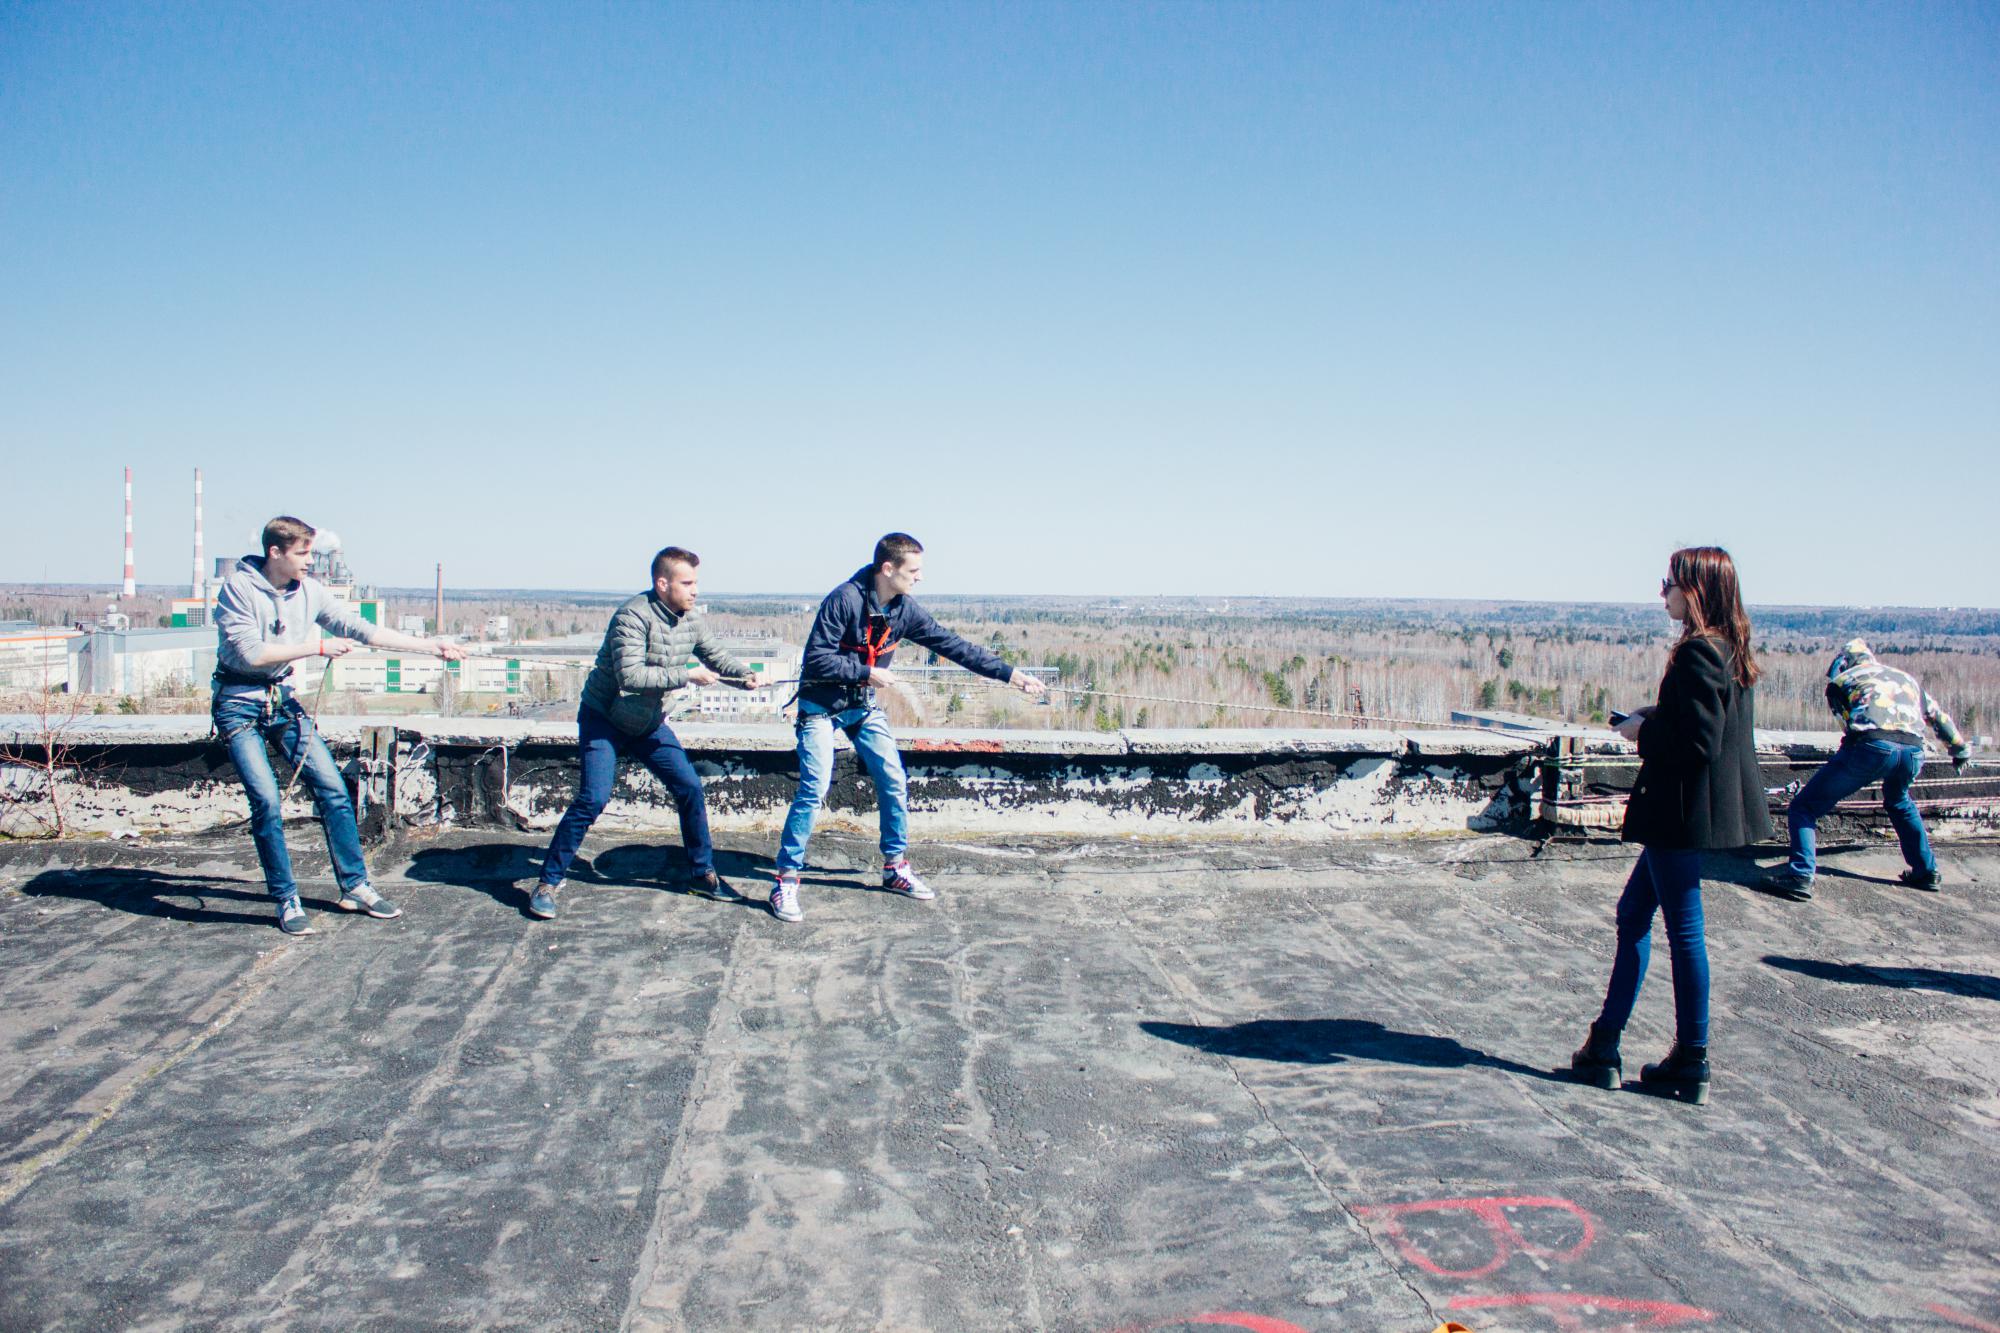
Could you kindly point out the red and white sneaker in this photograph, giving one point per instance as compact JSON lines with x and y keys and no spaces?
{"x":897,"y":877}
{"x":785,"y":898}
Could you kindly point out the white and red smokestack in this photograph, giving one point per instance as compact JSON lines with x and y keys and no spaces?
{"x":197,"y":534}
{"x":131,"y":588}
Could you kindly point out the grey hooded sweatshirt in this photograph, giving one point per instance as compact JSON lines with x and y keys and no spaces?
{"x":250,"y":613}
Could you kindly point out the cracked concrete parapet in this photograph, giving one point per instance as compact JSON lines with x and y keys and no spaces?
{"x":144,"y":774}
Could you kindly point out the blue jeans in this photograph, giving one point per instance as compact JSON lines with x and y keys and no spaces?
{"x":1671,"y":882}
{"x":600,"y":746}
{"x":1858,"y":762}
{"x":868,"y":728}
{"x":245,"y":722}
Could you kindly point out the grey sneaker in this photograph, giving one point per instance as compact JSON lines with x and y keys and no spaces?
{"x":785,"y":899}
{"x":292,"y":918}
{"x":897,"y":877}
{"x":542,"y":903}
{"x":361,"y":898}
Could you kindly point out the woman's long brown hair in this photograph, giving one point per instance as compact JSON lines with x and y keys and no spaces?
{"x":1707,"y":577}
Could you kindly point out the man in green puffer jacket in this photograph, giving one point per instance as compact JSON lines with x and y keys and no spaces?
{"x":644,"y":659}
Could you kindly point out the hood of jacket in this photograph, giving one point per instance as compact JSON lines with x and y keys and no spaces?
{"x":1854,"y":653}
{"x":864,"y":579}
{"x":252,"y":568}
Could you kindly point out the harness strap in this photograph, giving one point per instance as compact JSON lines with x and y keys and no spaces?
{"x":224,"y":676}
{"x":872,"y":648}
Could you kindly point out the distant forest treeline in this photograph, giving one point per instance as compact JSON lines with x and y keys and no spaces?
{"x":1408,"y":661}
{"x":1392,"y":660}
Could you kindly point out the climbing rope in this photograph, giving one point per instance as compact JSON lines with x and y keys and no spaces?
{"x":1090,"y":692}
{"x":310,"y":730}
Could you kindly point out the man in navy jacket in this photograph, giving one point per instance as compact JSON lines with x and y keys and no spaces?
{"x":847,"y":657}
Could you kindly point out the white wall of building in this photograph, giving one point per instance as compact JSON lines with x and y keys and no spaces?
{"x":367,"y":672}
{"x":31,"y":659}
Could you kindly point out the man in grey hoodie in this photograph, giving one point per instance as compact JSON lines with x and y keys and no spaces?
{"x":269,"y":615}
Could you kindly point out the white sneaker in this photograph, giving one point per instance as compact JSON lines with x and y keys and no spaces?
{"x":785,"y":899}
{"x":897,"y":877}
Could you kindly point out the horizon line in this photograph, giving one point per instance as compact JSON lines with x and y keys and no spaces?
{"x":114,"y":589}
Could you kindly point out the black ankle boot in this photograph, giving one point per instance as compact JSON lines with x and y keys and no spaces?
{"x":1683,"y":1074}
{"x":1596,"y":1062}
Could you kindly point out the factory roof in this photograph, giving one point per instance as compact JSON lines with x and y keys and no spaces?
{"x":1097,"y":1084}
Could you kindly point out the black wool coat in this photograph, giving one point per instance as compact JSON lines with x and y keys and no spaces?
{"x":1698,"y":785}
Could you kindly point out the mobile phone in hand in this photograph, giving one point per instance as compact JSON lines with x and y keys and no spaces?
{"x":1618,"y":718}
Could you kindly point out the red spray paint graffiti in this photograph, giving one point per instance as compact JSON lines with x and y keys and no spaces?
{"x":1571,"y":1309}
{"x":1962,"y":1319}
{"x":1252,"y":1323}
{"x":1507,"y":1241}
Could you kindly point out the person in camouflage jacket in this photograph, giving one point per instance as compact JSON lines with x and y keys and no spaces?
{"x":1883,"y":712}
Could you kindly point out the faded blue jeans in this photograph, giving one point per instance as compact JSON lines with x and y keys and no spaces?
{"x":246,"y":722}
{"x":1858,"y":762}
{"x":1669,"y":882}
{"x":868,"y":728}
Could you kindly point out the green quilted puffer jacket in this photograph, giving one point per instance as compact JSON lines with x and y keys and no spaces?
{"x":646,"y":657}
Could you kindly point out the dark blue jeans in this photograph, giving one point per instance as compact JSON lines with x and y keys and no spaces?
{"x":601,"y":745}
{"x":1858,"y":762}
{"x":1669,"y":881}
{"x":246,"y":722}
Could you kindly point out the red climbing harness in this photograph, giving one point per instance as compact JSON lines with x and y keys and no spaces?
{"x":871,"y":646}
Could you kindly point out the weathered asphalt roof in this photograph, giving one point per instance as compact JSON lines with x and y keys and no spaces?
{"x":1092,"y":1086}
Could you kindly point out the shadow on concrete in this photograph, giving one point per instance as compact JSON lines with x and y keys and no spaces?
{"x":151,"y":893}
{"x":1825,"y":871}
{"x":1973,"y":985}
{"x":506,"y":871}
{"x":1332,"y":1041}
{"x":1742,"y":869}
{"x":496,"y":869}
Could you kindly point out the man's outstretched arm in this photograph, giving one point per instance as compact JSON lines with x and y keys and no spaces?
{"x":410,"y":643}
{"x":927,"y":633}
{"x":1947,"y":731}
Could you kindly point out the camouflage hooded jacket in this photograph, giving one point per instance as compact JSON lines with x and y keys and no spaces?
{"x":1871,"y":697}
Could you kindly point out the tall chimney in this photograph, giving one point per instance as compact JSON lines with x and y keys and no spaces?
{"x":440,"y":601}
{"x":131,"y":588}
{"x":198,"y":576}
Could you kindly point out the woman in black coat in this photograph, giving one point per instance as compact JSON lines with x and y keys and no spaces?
{"x":1698,"y":788}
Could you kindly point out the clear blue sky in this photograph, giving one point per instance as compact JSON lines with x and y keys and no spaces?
{"x":1416,"y":300}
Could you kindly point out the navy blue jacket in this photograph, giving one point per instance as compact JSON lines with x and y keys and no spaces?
{"x":834,"y":674}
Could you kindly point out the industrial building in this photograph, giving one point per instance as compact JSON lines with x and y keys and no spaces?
{"x":111,"y":659}
{"x":368,"y":672}
{"x":771,"y":662}
{"x":34,"y":657}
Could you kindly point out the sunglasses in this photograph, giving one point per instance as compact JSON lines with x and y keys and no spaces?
{"x":1666,"y":586}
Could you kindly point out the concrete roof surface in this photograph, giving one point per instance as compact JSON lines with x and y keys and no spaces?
{"x":1093,"y":1086}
